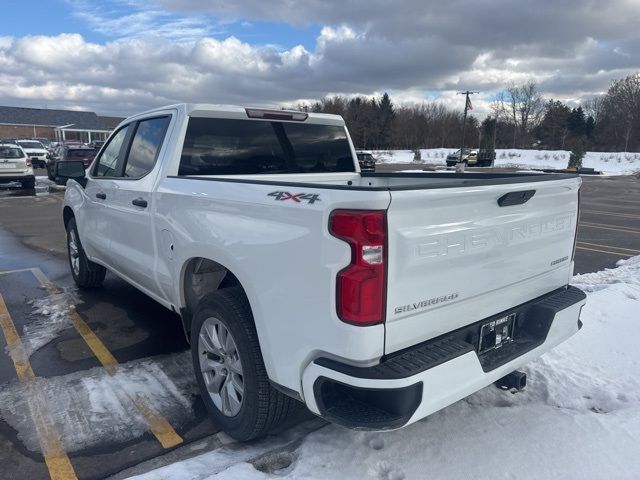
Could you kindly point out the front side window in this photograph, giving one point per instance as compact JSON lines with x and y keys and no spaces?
{"x":216,"y":146}
{"x":145,"y":146}
{"x":107,"y":165}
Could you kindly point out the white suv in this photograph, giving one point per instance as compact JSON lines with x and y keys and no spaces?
{"x":15,"y":166}
{"x":35,"y":151}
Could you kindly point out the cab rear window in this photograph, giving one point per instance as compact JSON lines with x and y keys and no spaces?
{"x":8,"y":152}
{"x":80,"y":154}
{"x":234,"y":147}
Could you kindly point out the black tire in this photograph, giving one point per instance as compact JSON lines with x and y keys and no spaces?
{"x":29,"y":183}
{"x":50,"y":175}
{"x":87,"y":274}
{"x":263,"y":407}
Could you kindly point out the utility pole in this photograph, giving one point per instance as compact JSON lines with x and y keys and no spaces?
{"x":467,"y":106}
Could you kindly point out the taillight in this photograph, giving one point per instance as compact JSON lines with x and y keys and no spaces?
{"x":28,"y":162}
{"x":575,"y":236}
{"x":360,"y":287}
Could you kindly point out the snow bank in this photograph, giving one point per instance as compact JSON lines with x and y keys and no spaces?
{"x":578,"y":418}
{"x":611,"y":163}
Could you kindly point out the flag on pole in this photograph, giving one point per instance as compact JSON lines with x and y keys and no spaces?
{"x":469,"y":106}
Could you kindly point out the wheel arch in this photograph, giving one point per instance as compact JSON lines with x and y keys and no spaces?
{"x":200,"y":276}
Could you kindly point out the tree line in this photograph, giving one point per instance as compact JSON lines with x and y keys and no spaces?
{"x":520,"y":117}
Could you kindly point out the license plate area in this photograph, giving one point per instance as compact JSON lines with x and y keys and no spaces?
{"x":496,"y":333}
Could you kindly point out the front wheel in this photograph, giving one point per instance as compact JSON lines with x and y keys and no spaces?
{"x":86,"y":274}
{"x":229,"y":368}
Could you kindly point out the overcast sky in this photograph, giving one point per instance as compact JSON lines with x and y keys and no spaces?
{"x":122,"y":56}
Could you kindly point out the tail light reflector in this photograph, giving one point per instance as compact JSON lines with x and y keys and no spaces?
{"x":360,"y":287}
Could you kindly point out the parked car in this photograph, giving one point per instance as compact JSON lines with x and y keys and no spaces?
{"x":35,"y":151}
{"x":469,"y":157}
{"x":65,"y":153}
{"x":44,"y":141}
{"x":376,"y":300}
{"x":366,"y":161}
{"x":15,"y":166}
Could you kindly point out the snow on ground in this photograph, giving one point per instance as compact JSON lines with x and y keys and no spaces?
{"x":607,"y":162}
{"x":96,"y":407}
{"x":579,"y":417}
{"x":50,"y":317}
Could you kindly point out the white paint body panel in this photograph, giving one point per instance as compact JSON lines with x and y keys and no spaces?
{"x":286,"y":260}
{"x":459,"y":242}
{"x":453,"y":380}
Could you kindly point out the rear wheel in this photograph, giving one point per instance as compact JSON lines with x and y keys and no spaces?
{"x":229,"y":368}
{"x":86,"y":274}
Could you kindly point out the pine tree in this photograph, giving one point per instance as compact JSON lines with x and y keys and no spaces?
{"x":386,"y":116}
{"x":576,"y":122}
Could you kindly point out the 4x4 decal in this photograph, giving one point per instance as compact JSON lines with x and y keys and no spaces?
{"x":296,"y":197}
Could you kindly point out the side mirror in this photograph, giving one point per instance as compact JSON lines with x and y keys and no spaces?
{"x":63,"y":171}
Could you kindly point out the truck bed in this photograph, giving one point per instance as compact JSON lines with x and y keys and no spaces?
{"x":392,"y":181}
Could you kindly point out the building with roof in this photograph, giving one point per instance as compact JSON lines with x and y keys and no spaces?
{"x":59,"y":125}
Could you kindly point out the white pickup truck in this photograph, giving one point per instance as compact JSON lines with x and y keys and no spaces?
{"x":376,"y":299}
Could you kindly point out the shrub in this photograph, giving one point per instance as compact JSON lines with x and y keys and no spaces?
{"x":576,"y":156}
{"x":417,"y":155}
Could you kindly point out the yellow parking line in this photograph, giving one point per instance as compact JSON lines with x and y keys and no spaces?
{"x":158,"y":425}
{"x":55,"y":457}
{"x":604,"y":251}
{"x":626,"y":215}
{"x":604,"y":226}
{"x":609,"y":246}
{"x":20,"y":270}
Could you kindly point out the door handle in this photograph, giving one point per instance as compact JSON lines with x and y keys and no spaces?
{"x":515,"y":198}
{"x":139,"y":202}
{"x":101,"y":195}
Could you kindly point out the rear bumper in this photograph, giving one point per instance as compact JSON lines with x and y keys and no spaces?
{"x":416,"y":382}
{"x":17,"y":177}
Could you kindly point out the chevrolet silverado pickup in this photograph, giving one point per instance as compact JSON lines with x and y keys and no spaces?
{"x":375,"y":299}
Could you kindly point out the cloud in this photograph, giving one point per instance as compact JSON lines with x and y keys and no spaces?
{"x":167,"y":51}
{"x":141,"y":19}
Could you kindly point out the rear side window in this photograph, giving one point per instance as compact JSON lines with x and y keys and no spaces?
{"x":215,"y":146}
{"x":145,"y":146}
{"x":110,"y":159}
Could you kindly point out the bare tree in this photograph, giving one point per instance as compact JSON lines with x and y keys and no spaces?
{"x":622,"y":107}
{"x":594,"y":108}
{"x":525,"y":106}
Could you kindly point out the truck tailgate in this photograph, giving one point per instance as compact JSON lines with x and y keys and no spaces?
{"x":456,"y":256}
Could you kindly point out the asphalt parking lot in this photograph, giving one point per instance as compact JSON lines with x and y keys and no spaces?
{"x":108,"y":386}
